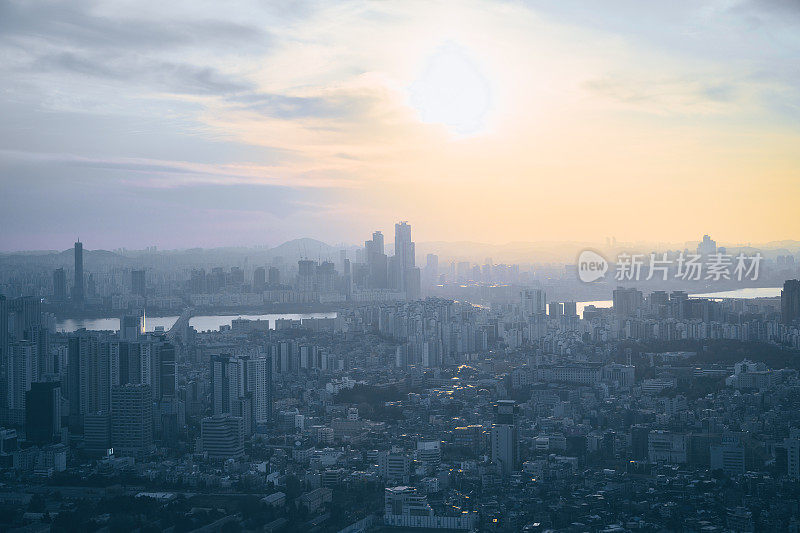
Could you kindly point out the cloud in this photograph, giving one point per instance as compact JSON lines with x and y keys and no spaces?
{"x":180,"y":78}
{"x":76,"y":24}
{"x":667,"y":96}
{"x":173,"y":174}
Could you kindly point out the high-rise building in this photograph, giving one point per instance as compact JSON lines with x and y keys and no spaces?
{"x":429,"y":453}
{"x":728,"y":456}
{"x":533,"y":301}
{"x":26,"y":316}
{"x":222,"y":436}
{"x":164,"y":380}
{"x":274,"y":276}
{"x":132,"y":420}
{"x":707,"y":246}
{"x":97,"y":432}
{"x":223,"y":384}
{"x":234,"y":379}
{"x":77,"y":287}
{"x":43,"y":413}
{"x":59,"y":285}
{"x":131,"y":326}
{"x":790,"y":301}
{"x":22,"y":370}
{"x":3,"y":346}
{"x":626,"y":301}
{"x":377,"y":262}
{"x":138,"y":286}
{"x":405,"y":275}
{"x":505,"y":441}
{"x":432,"y":268}
{"x":88,"y":377}
{"x":259,"y":279}
{"x":306,"y":275}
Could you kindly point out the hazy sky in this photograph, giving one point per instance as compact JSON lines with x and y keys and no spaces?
{"x":197,"y":123}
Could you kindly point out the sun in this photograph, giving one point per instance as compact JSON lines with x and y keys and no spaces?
{"x":452,"y":91}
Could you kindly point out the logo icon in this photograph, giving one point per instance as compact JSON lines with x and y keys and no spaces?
{"x":591,"y":266}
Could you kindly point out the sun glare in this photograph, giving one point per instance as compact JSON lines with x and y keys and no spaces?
{"x":452,"y":91}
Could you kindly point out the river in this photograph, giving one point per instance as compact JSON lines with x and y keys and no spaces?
{"x":200,"y":322}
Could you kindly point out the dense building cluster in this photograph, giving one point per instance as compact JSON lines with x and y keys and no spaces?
{"x":663,"y":411}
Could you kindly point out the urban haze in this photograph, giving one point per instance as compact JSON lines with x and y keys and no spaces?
{"x":400,"y":266}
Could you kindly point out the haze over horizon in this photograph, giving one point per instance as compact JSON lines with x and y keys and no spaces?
{"x":131,"y":124}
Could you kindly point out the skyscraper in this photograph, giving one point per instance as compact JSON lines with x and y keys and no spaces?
{"x":43,"y":413}
{"x":59,"y":285}
{"x":77,"y":288}
{"x":377,"y":262}
{"x":137,"y":282}
{"x":505,"y":445}
{"x":132,"y":420}
{"x":26,"y":315}
{"x":259,"y":279}
{"x":274,"y":276}
{"x":3,"y":346}
{"x":790,"y":301}
{"x":432,"y":268}
{"x":626,"y":301}
{"x":404,"y":275}
{"x":22,"y":371}
{"x":88,"y":377}
{"x":243,"y":377}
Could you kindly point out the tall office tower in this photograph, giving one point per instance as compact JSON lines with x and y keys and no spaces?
{"x":570,"y":309}
{"x":554,"y":309}
{"x":377,"y":262}
{"x":77,"y":288}
{"x":505,"y":441}
{"x":138,"y":286}
{"x":88,"y":377}
{"x":404,"y":260}
{"x":342,"y":258}
{"x":306,"y":275}
{"x":163,"y":375}
{"x":223,"y":384}
{"x":21,"y":372}
{"x":132,"y":420}
{"x":626,"y":301}
{"x":790,"y":301}
{"x":222,"y":436}
{"x":43,"y":413}
{"x":59,"y":285}
{"x":259,"y":279}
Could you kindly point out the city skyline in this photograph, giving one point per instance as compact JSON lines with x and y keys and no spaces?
{"x":399,"y":266}
{"x":209,"y":127}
